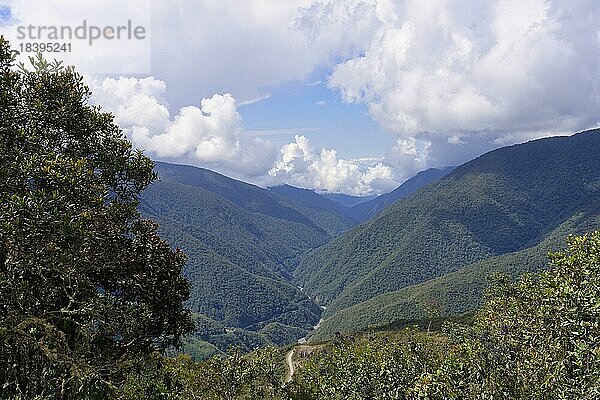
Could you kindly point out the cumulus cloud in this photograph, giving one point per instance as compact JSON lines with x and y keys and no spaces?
{"x":450,"y":78}
{"x":201,"y":47}
{"x":445,"y":67}
{"x":509,"y":70}
{"x":301,"y":165}
{"x":240,"y":47}
{"x":408,"y":156}
{"x":210,"y":135}
{"x":340,"y":28}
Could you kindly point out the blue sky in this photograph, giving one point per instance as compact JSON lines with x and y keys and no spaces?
{"x":5,"y":15}
{"x":351,"y":96}
{"x":309,"y":107}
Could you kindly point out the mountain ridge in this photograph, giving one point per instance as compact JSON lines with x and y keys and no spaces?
{"x":367,"y":210}
{"x":500,"y":202}
{"x":241,"y":251}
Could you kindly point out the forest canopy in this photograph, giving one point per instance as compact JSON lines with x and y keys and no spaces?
{"x":86,"y":286}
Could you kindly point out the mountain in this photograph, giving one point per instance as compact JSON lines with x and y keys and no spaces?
{"x":245,"y":195}
{"x":455,"y":293}
{"x":367,"y":210}
{"x":243,"y":242}
{"x":350,"y":210}
{"x":332,"y":216}
{"x":346,"y":199}
{"x":308,"y":198}
{"x":505,"y":201}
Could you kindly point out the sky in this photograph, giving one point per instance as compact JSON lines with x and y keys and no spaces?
{"x":350,"y":96}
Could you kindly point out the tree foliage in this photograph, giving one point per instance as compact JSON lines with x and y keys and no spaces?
{"x":85,"y":284}
{"x":236,"y":377}
{"x":502,"y":202}
{"x":536,"y":338}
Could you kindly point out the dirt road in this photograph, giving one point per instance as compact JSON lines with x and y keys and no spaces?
{"x":289,"y":363}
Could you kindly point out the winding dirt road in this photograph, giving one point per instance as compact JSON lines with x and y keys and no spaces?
{"x":289,"y":363}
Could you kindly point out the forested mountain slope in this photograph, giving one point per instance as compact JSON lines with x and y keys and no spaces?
{"x":457,"y":292}
{"x":366,"y":210}
{"x":242,"y":242}
{"x":330,"y":215}
{"x":504,"y":201}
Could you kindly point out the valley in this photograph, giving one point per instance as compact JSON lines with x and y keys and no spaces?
{"x":244,"y":244}
{"x":301,"y":200}
{"x":262,"y":262}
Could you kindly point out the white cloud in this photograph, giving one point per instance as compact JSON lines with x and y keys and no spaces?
{"x":241,"y":47}
{"x":408,"y":156}
{"x":458,"y":69}
{"x":257,"y":99}
{"x":301,"y":165}
{"x":379,"y":178}
{"x":451,"y":78}
{"x":201,"y":47}
{"x":210,"y":135}
{"x":454,"y":139}
{"x":320,"y":103}
{"x":134,"y":102}
{"x":83,"y":26}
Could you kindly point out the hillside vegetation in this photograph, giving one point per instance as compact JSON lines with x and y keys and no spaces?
{"x":331,"y":215}
{"x":366,"y":210}
{"x":537,"y":338}
{"x":242,"y":242}
{"x":503,"y":202}
{"x":453,"y":294}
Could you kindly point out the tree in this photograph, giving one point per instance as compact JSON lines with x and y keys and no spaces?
{"x":86,"y":285}
{"x":537,"y":338}
{"x":257,"y":375}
